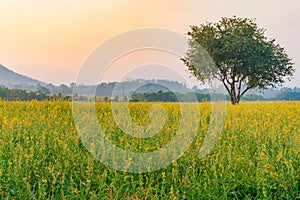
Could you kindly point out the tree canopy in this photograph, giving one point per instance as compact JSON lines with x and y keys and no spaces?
{"x":238,"y":53}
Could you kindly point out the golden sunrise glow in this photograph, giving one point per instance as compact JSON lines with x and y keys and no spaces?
{"x":49,"y":40}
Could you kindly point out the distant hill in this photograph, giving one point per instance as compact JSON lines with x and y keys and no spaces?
{"x":8,"y":76}
{"x":14,"y":80}
{"x":126,"y":88}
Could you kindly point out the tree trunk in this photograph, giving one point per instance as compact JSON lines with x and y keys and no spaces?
{"x":233,"y":98}
{"x":232,"y":94}
{"x":236,"y":97}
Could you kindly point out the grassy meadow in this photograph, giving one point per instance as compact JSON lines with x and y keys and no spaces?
{"x":257,"y":155}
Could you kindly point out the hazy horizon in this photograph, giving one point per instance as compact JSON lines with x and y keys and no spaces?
{"x":50,"y":40}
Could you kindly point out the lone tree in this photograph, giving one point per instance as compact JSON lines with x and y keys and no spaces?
{"x":242,"y":55}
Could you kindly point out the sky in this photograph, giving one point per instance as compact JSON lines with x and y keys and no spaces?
{"x":50,"y":40}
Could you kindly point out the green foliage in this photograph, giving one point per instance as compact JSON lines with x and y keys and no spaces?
{"x":23,"y":95}
{"x":169,"y":97}
{"x":288,"y":96}
{"x":154,"y":96}
{"x":190,"y":97}
{"x":236,"y":53}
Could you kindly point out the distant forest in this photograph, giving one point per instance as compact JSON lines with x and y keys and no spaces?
{"x":191,"y":97}
{"x":15,"y":86}
{"x":23,"y":95}
{"x":159,"y":96}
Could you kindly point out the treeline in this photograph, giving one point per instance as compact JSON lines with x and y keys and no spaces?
{"x":23,"y":95}
{"x":125,"y":88}
{"x":287,"y":96}
{"x":169,"y":97}
{"x":160,"y":96}
{"x":192,"y":97}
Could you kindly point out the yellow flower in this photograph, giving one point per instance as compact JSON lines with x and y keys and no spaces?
{"x":27,"y":156}
{"x":174,"y":163}
{"x":44,"y":180}
{"x":76,"y":191}
{"x":279,"y":156}
{"x":163,"y":175}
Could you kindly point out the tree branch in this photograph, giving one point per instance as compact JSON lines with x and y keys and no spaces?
{"x":240,"y":85}
{"x":223,"y":80}
{"x":248,"y":88}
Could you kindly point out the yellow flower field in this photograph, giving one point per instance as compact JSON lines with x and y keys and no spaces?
{"x":256,"y":156}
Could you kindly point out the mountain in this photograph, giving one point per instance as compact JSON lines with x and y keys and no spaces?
{"x":127,"y":88}
{"x":10,"y":79}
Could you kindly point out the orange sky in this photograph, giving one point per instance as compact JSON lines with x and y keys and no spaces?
{"x":49,"y":40}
